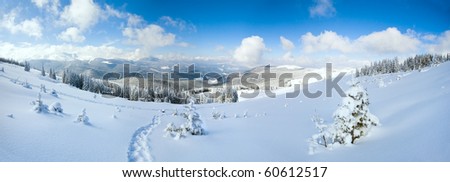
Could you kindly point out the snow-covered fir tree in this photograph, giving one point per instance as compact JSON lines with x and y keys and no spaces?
{"x":194,"y":124}
{"x":82,"y":117}
{"x":52,"y":74}
{"x":39,"y":106}
{"x":42,"y":71}
{"x":352,"y":119}
{"x":26,"y":66}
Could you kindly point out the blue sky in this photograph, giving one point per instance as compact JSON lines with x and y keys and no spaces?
{"x":252,"y":32}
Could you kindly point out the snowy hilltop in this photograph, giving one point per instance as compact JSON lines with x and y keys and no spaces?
{"x":399,"y":116}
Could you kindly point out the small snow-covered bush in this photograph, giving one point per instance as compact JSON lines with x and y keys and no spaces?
{"x":216,"y":115}
{"x":176,"y":132}
{"x":56,"y":107}
{"x":175,"y":113}
{"x":54,"y":93}
{"x":323,"y":138}
{"x":26,"y":85}
{"x":39,"y":106}
{"x":245,"y":114}
{"x":82,"y":117}
{"x":118,"y":109}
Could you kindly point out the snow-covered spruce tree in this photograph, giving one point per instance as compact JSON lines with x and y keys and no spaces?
{"x":352,"y":119}
{"x":39,"y":105}
{"x":42,"y":71}
{"x":56,"y":107}
{"x":82,"y":117}
{"x":194,"y":124}
{"x":26,"y":66}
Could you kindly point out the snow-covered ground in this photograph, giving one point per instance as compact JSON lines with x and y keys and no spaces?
{"x":413,"y":109}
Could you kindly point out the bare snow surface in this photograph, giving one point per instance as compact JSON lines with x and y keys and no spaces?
{"x":413,"y":109}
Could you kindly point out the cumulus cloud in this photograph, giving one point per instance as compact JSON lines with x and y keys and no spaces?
{"x":51,"y":6}
{"x":177,"y":23}
{"x":250,"y":51}
{"x":81,"y":13}
{"x":31,"y":27}
{"x":134,"y":20}
{"x":72,"y":34}
{"x":325,"y":41}
{"x":149,"y":37}
{"x":111,"y":12}
{"x":322,"y":8}
{"x":390,"y":40}
{"x":442,"y":44}
{"x":387,"y":41}
{"x":286,"y":44}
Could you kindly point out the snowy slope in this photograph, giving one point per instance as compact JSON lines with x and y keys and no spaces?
{"x":412,"y":108}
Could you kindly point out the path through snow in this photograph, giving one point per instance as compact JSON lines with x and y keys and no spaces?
{"x":139,"y":149}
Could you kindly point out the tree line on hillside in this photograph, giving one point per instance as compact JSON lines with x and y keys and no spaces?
{"x":417,"y":62}
{"x":162,"y":93}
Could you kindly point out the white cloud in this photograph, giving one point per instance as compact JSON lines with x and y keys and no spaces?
{"x":288,"y":46}
{"x":111,"y":12}
{"x":387,"y":41}
{"x":250,"y":51}
{"x":429,"y":37}
{"x":178,"y":23}
{"x":150,"y":37}
{"x":322,"y":8}
{"x":81,"y":13}
{"x":326,"y":41}
{"x":51,"y":6}
{"x":288,"y":56}
{"x":442,"y":44}
{"x":28,"y":51}
{"x":72,"y":34}
{"x":134,"y":20}
{"x":40,"y":3}
{"x":286,"y":43}
{"x":390,"y":40}
{"x":31,"y":27}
